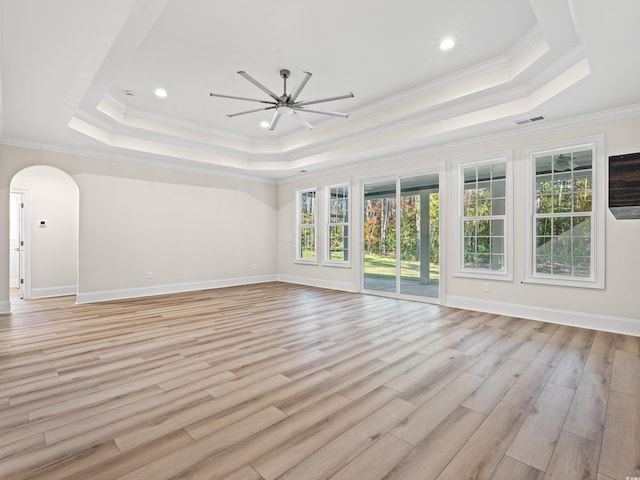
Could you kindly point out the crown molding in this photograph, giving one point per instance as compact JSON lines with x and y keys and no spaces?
{"x":373,"y":159}
{"x":368,"y":158}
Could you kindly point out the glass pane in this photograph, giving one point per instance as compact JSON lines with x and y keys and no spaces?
{"x":484,"y":227}
{"x":470,"y":175}
{"x":543,"y":264}
{"x":561,"y":265}
{"x":307,"y":207}
{"x":543,"y":245}
{"x":582,"y":202}
{"x":582,"y":160}
{"x":497,"y":227}
{"x":543,"y":226}
{"x":483,"y":244}
{"x":561,"y":246}
{"x":379,"y":219}
{"x":562,"y":225}
{"x":582,"y":266}
{"x":497,"y":245}
{"x":499,"y":170}
{"x":498,"y":188}
{"x":483,"y":261}
{"x":470,"y":228}
{"x":419,"y":236}
{"x":543,"y":164}
{"x":469,"y":201}
{"x":484,"y":208}
{"x":498,"y":207}
{"x":338,"y":243}
{"x":339,"y":204}
{"x":484,"y":190}
{"x":484,"y":172}
{"x":562,"y":162}
{"x":307,"y":243}
{"x":497,"y":262}
{"x":470,"y":244}
{"x":581,"y":246}
{"x":582,"y":226}
{"x":545,"y":204}
{"x":470,"y":260}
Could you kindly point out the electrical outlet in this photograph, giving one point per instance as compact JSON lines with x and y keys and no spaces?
{"x":149,"y":275}
{"x":485,"y":287}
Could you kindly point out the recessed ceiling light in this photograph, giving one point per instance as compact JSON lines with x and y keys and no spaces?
{"x":161,"y":93}
{"x":264,"y":124}
{"x":447,"y":43}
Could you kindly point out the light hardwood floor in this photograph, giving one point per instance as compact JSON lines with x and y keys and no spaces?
{"x":281,"y":381}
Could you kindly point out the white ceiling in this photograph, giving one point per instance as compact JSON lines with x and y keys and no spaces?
{"x":65,"y":66}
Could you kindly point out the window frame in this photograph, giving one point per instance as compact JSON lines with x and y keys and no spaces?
{"x":506,"y":273}
{"x":596,"y":279}
{"x":299,"y":225}
{"x":328,"y":224}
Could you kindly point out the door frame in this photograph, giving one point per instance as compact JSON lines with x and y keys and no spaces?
{"x":24,"y":257}
{"x":436,"y":169}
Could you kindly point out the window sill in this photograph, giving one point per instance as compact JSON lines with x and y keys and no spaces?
{"x":498,"y":276}
{"x":329,"y":263}
{"x":306,"y":262}
{"x":560,"y":282}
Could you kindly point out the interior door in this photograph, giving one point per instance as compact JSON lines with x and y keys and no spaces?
{"x":16,"y":241}
{"x":401,"y":237}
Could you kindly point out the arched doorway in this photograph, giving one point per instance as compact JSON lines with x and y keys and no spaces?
{"x":44,"y":218}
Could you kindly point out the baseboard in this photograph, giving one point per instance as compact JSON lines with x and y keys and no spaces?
{"x":54,"y":291}
{"x":108,"y":295}
{"x":593,"y":321}
{"x":315,"y":282}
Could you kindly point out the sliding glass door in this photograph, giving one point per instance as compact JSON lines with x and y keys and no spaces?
{"x":401,"y":247}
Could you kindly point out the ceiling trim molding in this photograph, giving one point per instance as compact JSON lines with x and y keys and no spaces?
{"x":292,"y":173}
{"x":419,"y":129}
{"x":516,"y":131}
{"x":416,"y":104}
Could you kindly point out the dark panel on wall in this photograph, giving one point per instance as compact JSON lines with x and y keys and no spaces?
{"x":624,"y":185}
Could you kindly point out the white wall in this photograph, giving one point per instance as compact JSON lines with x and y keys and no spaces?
{"x":186,"y":235}
{"x":52,"y":197}
{"x":192,"y":229}
{"x":616,"y":308}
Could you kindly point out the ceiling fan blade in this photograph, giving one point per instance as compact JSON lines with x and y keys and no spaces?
{"x":322,"y":112}
{"x":300,"y":86}
{"x":328,"y":99}
{"x":259,"y":85}
{"x":306,"y":124}
{"x":241,"y":98}
{"x":274,"y":121}
{"x":250,"y":111}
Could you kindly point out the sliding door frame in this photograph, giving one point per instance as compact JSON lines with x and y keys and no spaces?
{"x":436,"y":169}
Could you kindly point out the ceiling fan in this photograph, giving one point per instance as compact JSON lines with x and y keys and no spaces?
{"x":287,"y":102}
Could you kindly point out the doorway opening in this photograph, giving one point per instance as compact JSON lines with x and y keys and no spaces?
{"x":401,"y":237}
{"x":43,"y":247}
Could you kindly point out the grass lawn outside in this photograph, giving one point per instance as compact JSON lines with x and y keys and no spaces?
{"x":375,"y":265}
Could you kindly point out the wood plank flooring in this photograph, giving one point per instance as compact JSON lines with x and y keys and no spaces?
{"x":277,"y":381}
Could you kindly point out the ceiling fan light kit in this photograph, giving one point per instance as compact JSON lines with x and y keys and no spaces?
{"x":285,"y":104}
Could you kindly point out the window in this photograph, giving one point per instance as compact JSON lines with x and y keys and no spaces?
{"x":484,"y":218}
{"x":306,"y":231}
{"x":337,"y":251}
{"x":566,"y":205}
